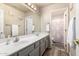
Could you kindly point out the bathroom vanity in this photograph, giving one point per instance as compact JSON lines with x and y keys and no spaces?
{"x":28,"y":45}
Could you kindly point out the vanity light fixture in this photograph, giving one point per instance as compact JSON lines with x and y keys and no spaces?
{"x":32,"y":6}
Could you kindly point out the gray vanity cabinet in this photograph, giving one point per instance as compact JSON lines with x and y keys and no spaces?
{"x":35,"y":49}
{"x":26,"y":51}
{"x":47,"y":41}
{"x":36,"y":44}
{"x":42,"y":46}
{"x":35,"y":52}
{"x":42,"y":49}
{"x":23,"y":52}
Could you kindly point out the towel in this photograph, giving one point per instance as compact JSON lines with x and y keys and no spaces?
{"x":14,"y":30}
{"x":71,"y":32}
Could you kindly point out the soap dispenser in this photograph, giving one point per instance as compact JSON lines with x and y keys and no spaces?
{"x":8,"y":40}
{"x":2,"y":35}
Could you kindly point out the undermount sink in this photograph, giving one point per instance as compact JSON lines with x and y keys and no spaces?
{"x":2,"y":53}
{"x":22,"y":42}
{"x":11,"y":42}
{"x":25,"y":39}
{"x":4,"y":43}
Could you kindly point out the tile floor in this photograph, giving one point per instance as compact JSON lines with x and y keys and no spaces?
{"x":56,"y":50}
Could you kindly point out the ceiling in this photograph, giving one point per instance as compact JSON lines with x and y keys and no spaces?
{"x":41,"y":5}
{"x":58,"y":12}
{"x":18,"y":6}
{"x":21,"y":7}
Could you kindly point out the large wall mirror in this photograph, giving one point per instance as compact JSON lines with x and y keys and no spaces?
{"x":16,"y":22}
{"x":12,"y":20}
{"x":1,"y":23}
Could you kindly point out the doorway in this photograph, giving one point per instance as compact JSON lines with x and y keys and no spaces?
{"x":57,"y":30}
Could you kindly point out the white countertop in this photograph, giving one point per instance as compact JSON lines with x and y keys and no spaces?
{"x":25,"y":41}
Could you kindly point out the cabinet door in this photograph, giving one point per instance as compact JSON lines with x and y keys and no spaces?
{"x":42,"y":49}
{"x":35,"y":52}
{"x":47,"y":42}
{"x":42,"y":46}
{"x":25,"y":51}
{"x":42,"y":41}
{"x":36,"y":44}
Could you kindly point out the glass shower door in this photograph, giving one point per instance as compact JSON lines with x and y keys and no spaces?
{"x":57,"y":30}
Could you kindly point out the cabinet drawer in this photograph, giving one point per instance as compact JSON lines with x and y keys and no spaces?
{"x":31,"y":47}
{"x":47,"y":43}
{"x":42,"y":41}
{"x":36,"y":44}
{"x":48,"y":39}
{"x":35,"y":52}
{"x":25,"y":51}
{"x":42,"y":49}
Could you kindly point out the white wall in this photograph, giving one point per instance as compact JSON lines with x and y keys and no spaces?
{"x":47,"y":12}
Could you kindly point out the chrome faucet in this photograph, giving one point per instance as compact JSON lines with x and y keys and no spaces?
{"x":8,"y":40}
{"x":2,"y":35}
{"x":16,"y":39}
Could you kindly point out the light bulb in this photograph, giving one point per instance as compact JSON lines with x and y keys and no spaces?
{"x":29,"y":4}
{"x":32,"y":6}
{"x":35,"y":8}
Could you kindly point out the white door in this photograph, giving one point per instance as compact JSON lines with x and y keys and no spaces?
{"x":65,"y":26}
{"x":1,"y":21}
{"x":77,"y":27}
{"x":29,"y":24}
